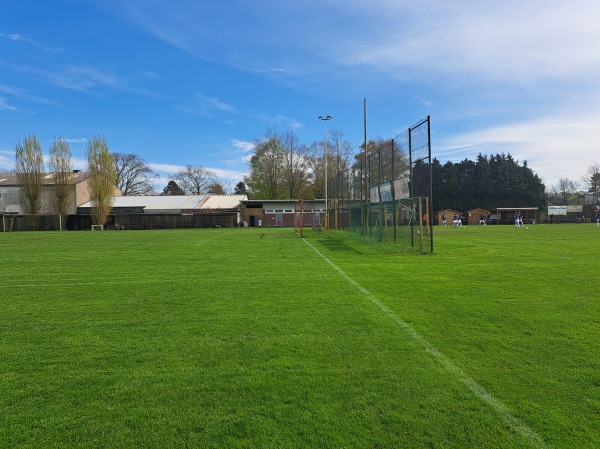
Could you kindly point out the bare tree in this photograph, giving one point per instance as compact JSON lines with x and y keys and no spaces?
{"x":295,"y":166}
{"x":134,"y":175}
{"x":338,"y":164}
{"x":566,"y":188}
{"x":266,"y":168}
{"x":29,"y":168}
{"x":216,"y":188}
{"x":195,"y":179}
{"x":102,"y":179}
{"x":592,"y":179}
{"x":60,"y":168}
{"x":316,"y":168}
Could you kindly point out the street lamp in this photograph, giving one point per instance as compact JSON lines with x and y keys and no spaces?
{"x":325,"y":118}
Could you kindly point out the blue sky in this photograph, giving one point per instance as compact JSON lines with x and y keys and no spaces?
{"x":190,"y":82}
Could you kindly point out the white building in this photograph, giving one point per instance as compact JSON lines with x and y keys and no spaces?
{"x":10,"y":192}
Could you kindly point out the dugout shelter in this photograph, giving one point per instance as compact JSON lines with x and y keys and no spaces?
{"x":506,"y":215}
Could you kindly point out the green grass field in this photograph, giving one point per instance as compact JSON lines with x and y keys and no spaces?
{"x":256,"y":338}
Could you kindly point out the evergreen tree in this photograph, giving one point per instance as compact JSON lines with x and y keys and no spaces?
{"x":172,"y":189}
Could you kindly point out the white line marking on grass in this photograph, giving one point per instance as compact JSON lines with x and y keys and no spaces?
{"x":154,"y":279}
{"x":525,"y":431}
{"x":213,"y":238}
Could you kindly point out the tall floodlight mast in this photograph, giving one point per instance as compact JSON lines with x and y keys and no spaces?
{"x":325,"y":119}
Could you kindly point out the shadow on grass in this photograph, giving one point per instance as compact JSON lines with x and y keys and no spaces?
{"x":337,"y":245}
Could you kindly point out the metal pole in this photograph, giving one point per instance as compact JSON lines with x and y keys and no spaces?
{"x":430,"y":211}
{"x":366,"y":172}
{"x":325,"y":118}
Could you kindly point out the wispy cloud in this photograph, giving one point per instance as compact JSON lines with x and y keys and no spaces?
{"x":165,"y":168}
{"x":74,"y":77}
{"x":530,"y":42}
{"x":20,"y":38}
{"x":246,"y":147}
{"x":207,"y":106}
{"x":76,"y":140}
{"x":225,"y":176}
{"x":519,"y":43}
{"x":5,"y":106}
{"x":81,"y":78}
{"x":229,"y":176}
{"x":279,"y":120}
{"x":21,"y":94}
{"x":7,"y":160}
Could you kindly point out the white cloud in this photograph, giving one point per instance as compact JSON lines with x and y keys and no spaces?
{"x":246,"y":147}
{"x":229,"y":175}
{"x":554,"y":147}
{"x":77,"y":140}
{"x":525,"y":40}
{"x":165,"y":168}
{"x":521,"y":41}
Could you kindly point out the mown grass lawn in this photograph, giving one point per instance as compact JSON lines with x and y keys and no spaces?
{"x":255,"y":338}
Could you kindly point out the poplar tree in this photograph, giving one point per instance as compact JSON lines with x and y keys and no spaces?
{"x":102,"y":179}
{"x":29,"y":169}
{"x":61,"y":171}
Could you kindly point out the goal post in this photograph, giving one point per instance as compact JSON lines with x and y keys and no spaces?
{"x":97,"y":228}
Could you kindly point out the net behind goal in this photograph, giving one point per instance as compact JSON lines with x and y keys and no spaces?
{"x":400,"y":225}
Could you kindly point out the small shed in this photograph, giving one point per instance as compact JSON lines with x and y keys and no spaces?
{"x":473,"y":215}
{"x":437,"y":216}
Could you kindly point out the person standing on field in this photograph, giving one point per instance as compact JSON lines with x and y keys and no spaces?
{"x":518,"y":219}
{"x":444,"y":219}
{"x":597,"y":211}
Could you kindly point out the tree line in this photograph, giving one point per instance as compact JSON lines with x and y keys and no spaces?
{"x":282,"y":167}
{"x":488,"y":182}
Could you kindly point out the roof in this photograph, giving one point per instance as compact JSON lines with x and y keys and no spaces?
{"x":445,"y":210}
{"x":478,"y":208}
{"x":222,"y":202}
{"x":291,"y":200}
{"x":516,"y":208}
{"x":176,"y":202}
{"x":10,"y":179}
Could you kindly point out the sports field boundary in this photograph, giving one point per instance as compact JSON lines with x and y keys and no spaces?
{"x":504,"y":412}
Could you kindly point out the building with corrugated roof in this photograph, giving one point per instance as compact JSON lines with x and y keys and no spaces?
{"x":171,"y":204}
